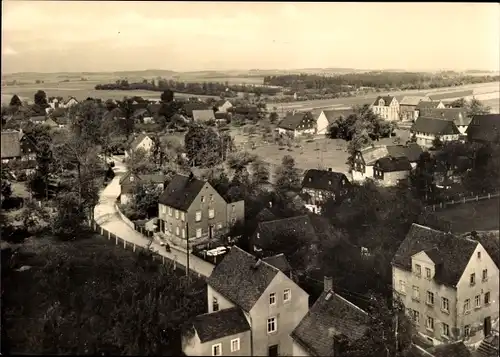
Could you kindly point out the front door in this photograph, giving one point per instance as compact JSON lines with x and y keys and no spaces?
{"x":273,"y":351}
{"x":210,"y":232}
{"x":487,"y":326}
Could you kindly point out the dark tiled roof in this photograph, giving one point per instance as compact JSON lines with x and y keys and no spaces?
{"x":239,"y":279}
{"x":333,"y":115}
{"x":292,"y":226}
{"x":387,"y":99}
{"x":220,"y":324}
{"x":393,"y":164}
{"x":411,"y":151}
{"x":189,"y":107}
{"x":457,"y":349}
{"x":113,"y":113}
{"x":292,"y":121}
{"x":181,"y":192}
{"x":11,"y":145}
{"x":490,"y":241}
{"x":265,"y":215}
{"x":484,"y":128}
{"x":411,"y":100}
{"x":324,"y":180}
{"x":423,"y":105}
{"x":279,"y":262}
{"x":219,"y":115}
{"x":203,"y":115}
{"x":434,"y":126}
{"x":457,"y":115}
{"x":331,"y":315}
{"x":450,"y":95}
{"x":142,"y":112}
{"x":454,"y":252}
{"x":38,"y":118}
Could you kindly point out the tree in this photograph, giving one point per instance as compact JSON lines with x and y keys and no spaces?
{"x":475,"y":107}
{"x":167,"y":96}
{"x":145,"y":201}
{"x":287,"y":175}
{"x":273,"y":117}
{"x":40,"y":99}
{"x":260,"y":172}
{"x":422,"y":178}
{"x":158,"y":151}
{"x":437,"y":143}
{"x":203,"y":146}
{"x":139,"y":163}
{"x":15,"y":101}
{"x":44,"y":168}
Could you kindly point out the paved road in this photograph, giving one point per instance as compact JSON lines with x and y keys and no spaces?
{"x":106,"y":215}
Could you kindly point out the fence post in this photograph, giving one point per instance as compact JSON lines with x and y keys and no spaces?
{"x":433,"y":208}
{"x":109,"y":235}
{"x":464,"y":199}
{"x":163,"y":260}
{"x":102,"y":231}
{"x":133,"y":248}
{"x":116,"y":239}
{"x":124,"y":244}
{"x":477,"y":198}
{"x":489,"y":195}
{"x":452,"y":202}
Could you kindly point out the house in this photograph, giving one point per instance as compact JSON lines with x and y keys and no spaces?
{"x":426,"y":130}
{"x":142,"y":115}
{"x":387,"y":107}
{"x":321,"y":185}
{"x":192,"y":208}
{"x":253,"y":308}
{"x":448,"y":285}
{"x":223,"y":105}
{"x":18,"y":149}
{"x":129,"y":180}
{"x":484,"y":128}
{"x":114,"y":114}
{"x":423,"y":106}
{"x":222,"y":118}
{"x":38,"y":119}
{"x":280,"y":262}
{"x":203,"y":116}
{"x":332,"y":323}
{"x":456,"y":115}
{"x":71,"y":101}
{"x":327,"y":117}
{"x":141,"y":141}
{"x":365,"y":159}
{"x":297,"y":124}
{"x":189,"y":107}
{"x":389,"y":171}
{"x":408,"y":107}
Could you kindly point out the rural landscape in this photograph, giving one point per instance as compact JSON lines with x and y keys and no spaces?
{"x":316,"y":211}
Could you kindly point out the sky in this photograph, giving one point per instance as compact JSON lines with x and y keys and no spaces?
{"x":73,"y":36}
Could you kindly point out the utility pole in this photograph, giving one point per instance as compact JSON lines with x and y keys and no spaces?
{"x":187,"y":250}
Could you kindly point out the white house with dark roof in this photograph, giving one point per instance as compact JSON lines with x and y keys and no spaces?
{"x":426,"y":130}
{"x":327,"y":117}
{"x":448,"y":284}
{"x":321,"y":185}
{"x":223,"y":105}
{"x":457,"y":115}
{"x":253,"y":307}
{"x":425,"y":105}
{"x":71,"y":101}
{"x":297,"y":124}
{"x":141,"y":141}
{"x":387,"y":107}
{"x":389,"y":171}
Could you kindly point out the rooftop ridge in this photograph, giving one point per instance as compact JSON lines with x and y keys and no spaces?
{"x":426,"y":227}
{"x":350,"y":303}
{"x":283,"y":219}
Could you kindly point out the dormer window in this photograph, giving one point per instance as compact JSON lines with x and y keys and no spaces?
{"x":381,"y":103}
{"x":215,"y":304}
{"x":428,"y":273}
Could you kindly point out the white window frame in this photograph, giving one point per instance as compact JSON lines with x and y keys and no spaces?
{"x":428,"y":300}
{"x":402,"y":286}
{"x":199,"y":232}
{"x":237,"y":348}
{"x":466,"y":306}
{"x":211,"y":197}
{"x":176,"y":214}
{"x":219,"y":345}
{"x":131,"y":178}
{"x":183,"y":232}
{"x":487,"y":295}
{"x":177,"y":231}
{"x":198,"y":216}
{"x":272,"y":299}
{"x":415,"y":292}
{"x":427,"y":323}
{"x":183,"y":216}
{"x":445,"y":329}
{"x":445,"y":304}
{"x":211,"y":213}
{"x":418,"y":270}
{"x":467,"y":330}
{"x":485,"y":275}
{"x":272,"y":321}
{"x":287,"y":295}
{"x":472,"y":280}
{"x":202,"y":199}
{"x":428,"y":273}
{"x":477,"y":301}
{"x":170,"y":211}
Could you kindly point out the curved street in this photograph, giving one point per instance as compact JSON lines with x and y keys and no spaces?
{"x":106,"y":216}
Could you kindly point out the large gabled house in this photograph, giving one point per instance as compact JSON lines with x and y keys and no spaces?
{"x":484,"y":129}
{"x":203,"y":116}
{"x":448,"y":284}
{"x":68,"y":103}
{"x":332,"y":324}
{"x":327,"y":117}
{"x":192,"y":208}
{"x":297,"y":124}
{"x":364,"y":159}
{"x":389,"y":171}
{"x":457,"y":115}
{"x":424,"y":106}
{"x":253,"y":307}
{"x":408,"y":107}
{"x":190,"y":106}
{"x":320,"y":185}
{"x":19,"y":150}
{"x":387,"y":107}
{"x":130,"y":180}
{"x":223,"y":105}
{"x":142,"y":142}
{"x":426,"y":130}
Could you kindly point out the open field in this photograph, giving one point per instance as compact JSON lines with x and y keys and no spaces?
{"x":472,"y":216}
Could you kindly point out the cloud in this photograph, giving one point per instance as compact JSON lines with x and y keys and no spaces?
{"x":9,"y":51}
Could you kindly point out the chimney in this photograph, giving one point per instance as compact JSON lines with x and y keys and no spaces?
{"x":327,"y":283}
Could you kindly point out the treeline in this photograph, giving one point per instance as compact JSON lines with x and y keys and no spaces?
{"x":203,"y":88}
{"x":386,"y":80}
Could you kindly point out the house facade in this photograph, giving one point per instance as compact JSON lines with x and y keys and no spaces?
{"x":389,"y":171}
{"x":142,"y":142}
{"x":223,"y":106}
{"x":130,"y":180}
{"x":320,"y":185}
{"x":192,"y":208}
{"x":484,"y":129}
{"x":457,"y":115}
{"x":426,"y":130}
{"x":322,"y":123}
{"x":270,"y":302}
{"x":448,"y":284}
{"x":18,"y":150}
{"x":408,"y":105}
{"x":297,"y":124}
{"x":203,"y":115}
{"x":387,"y":107}
{"x":71,"y":101}
{"x":424,"y":106}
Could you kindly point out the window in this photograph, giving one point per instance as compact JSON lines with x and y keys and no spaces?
{"x":485,"y":274}
{"x":429,"y":323}
{"x":215,"y":304}
{"x":177,"y":231}
{"x":477,"y":300}
{"x":198,"y":216}
{"x":211,"y":198}
{"x":170,"y":211}
{"x":473,"y":279}
{"x":466,"y":305}
{"x":202,"y":199}
{"x":176,"y":214}
{"x":487,"y":298}
{"x":478,"y":255}
{"x":418,"y":270}
{"x":272,"y":299}
{"x":183,"y":216}
{"x":415,"y":316}
{"x":445,"y":304}
{"x":235,"y":345}
{"x":428,"y":273}
{"x":272,"y":325}
{"x":170,"y":229}
{"x":287,"y":295}
{"x":402,"y":286}
{"x":430,"y":298}
{"x":445,"y":329}
{"x":466,"y":330}
{"x":217,"y":349}
{"x":131,"y":178}
{"x":233,"y":207}
{"x":233,"y":220}
{"x":183,"y":233}
{"x":211,"y":213}
{"x":416,"y":293}
{"x":198,"y":232}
